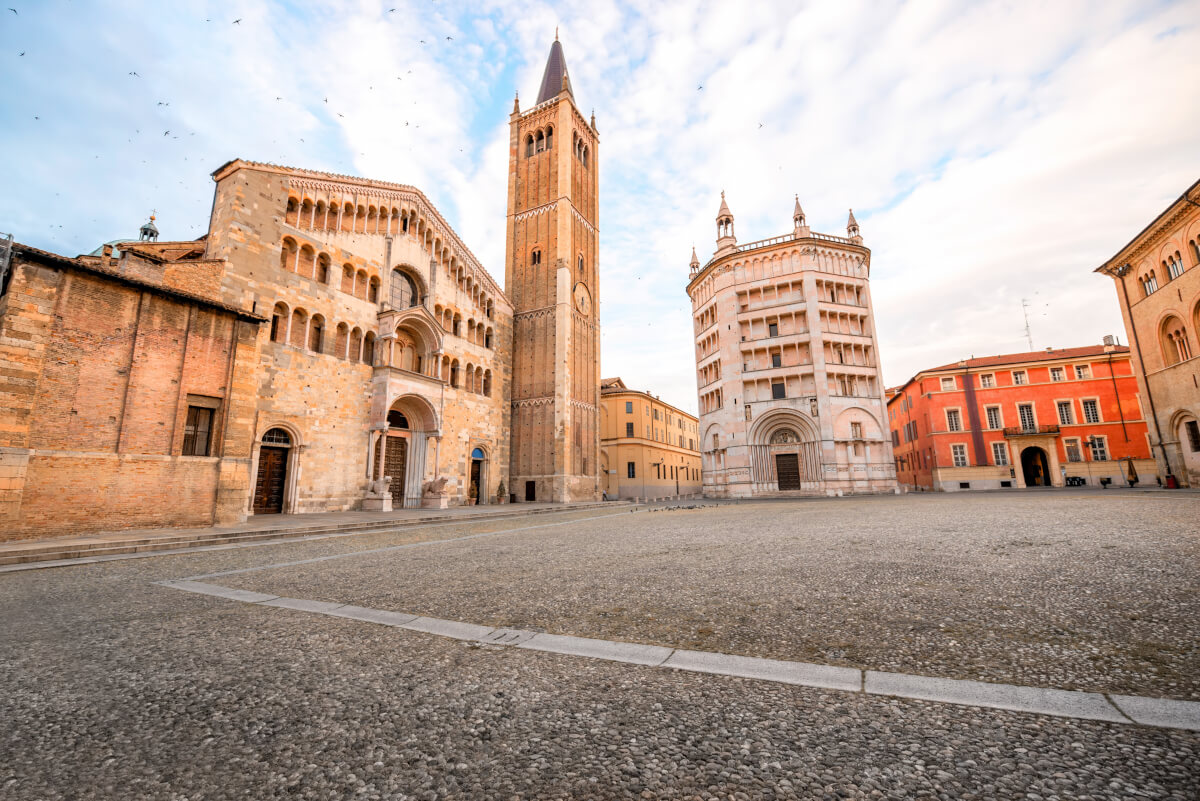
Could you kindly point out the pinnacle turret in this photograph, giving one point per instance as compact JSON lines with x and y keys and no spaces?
{"x":852,"y":225}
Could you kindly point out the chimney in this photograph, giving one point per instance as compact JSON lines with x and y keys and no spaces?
{"x":1109,"y":343}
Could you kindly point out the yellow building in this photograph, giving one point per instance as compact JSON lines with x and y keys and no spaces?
{"x":648,"y":449}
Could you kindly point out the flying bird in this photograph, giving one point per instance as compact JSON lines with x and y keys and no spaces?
{"x":341,"y":114}
{"x":13,"y":10}
{"x":166,"y":133}
{"x":760,"y":125}
{"x":448,"y":38}
{"x":327,"y":100}
{"x":237,"y":21}
{"x":20,"y":54}
{"x":700,"y":88}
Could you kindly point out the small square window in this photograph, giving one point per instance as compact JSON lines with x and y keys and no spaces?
{"x":630,"y":470}
{"x":778,"y":390}
{"x":1082,"y":371}
{"x":1056,"y":374}
{"x":947,"y":383}
{"x":987,"y":380}
{"x":772,"y":329}
{"x":628,"y":407}
{"x":1019,"y":377}
{"x":776,"y":360}
{"x":197,"y":431}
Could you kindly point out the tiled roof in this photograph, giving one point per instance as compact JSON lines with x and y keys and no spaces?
{"x":98,"y":267}
{"x":1049,"y":355}
{"x":552,"y":78}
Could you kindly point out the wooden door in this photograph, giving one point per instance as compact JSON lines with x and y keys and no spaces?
{"x":787,"y":467}
{"x":272,"y":478}
{"x":393,"y":465}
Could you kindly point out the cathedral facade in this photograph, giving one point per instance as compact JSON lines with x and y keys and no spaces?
{"x":330,"y":344}
{"x":787,"y":365}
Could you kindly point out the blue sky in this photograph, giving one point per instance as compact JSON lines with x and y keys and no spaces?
{"x":991,"y":151}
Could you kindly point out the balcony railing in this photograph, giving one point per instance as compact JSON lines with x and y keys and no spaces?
{"x":1029,"y":431}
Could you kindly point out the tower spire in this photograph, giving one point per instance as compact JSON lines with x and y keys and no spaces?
{"x":554,"y":79}
{"x":852,"y":226}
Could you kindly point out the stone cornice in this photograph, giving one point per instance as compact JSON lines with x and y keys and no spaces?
{"x":809,"y":245}
{"x":1156,"y":230}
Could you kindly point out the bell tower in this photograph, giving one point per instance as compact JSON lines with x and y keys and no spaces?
{"x":552,"y":278}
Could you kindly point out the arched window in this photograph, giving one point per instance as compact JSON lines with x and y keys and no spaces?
{"x":355,"y":345}
{"x":319,"y":215}
{"x":457,"y":330}
{"x":1175,"y":345}
{"x":279,"y":323}
{"x":323,"y":268}
{"x":487,"y":383}
{"x":368,"y":349}
{"x":306,"y":214}
{"x":585,"y":156}
{"x":308,"y":258}
{"x":292,"y":212}
{"x":1149,"y":283}
{"x":277,"y":437}
{"x":1175,"y":266}
{"x":287,"y":254}
{"x":470,"y":383}
{"x":487,"y":339}
{"x":299,"y":328}
{"x":1195,"y":252}
{"x":404,"y":290}
{"x":454,"y":373}
{"x":341,"y":341}
{"x":549,"y":138}
{"x":541,"y":141}
{"x":373,"y":291}
{"x":316,"y":333}
{"x":360,"y":285}
{"x":347,"y":279}
{"x":529,"y":146}
{"x":347,"y":216}
{"x":535,"y":256}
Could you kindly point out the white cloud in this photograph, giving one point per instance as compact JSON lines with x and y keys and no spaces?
{"x":992,"y":151}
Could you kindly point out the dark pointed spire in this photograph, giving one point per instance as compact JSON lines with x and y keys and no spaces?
{"x":556,"y":71}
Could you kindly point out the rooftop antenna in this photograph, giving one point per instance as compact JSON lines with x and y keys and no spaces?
{"x":1025,"y":311}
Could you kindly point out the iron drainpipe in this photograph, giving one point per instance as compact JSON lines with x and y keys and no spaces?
{"x":1137,"y":346}
{"x":1120,"y":411}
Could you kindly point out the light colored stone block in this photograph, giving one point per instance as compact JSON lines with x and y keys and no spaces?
{"x":449,"y":628}
{"x":302,"y":605}
{"x":1063,"y":703}
{"x":598,"y":649}
{"x":219,"y":592}
{"x":1165,"y":712}
{"x":809,"y":675}
{"x":372,"y":615}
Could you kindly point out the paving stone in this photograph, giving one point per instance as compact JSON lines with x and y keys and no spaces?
{"x":219,"y":592}
{"x":1064,"y":703}
{"x":448,"y":628}
{"x":302,"y":605}
{"x":598,"y":649}
{"x":809,"y":675}
{"x":371,"y":615}
{"x":1160,"y":711}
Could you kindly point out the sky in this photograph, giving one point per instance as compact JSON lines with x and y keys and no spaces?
{"x":992,"y":151}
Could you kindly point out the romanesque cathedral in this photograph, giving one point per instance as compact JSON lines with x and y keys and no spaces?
{"x":330,"y":344}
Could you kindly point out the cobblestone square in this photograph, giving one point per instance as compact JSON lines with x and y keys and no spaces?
{"x":118,"y":687}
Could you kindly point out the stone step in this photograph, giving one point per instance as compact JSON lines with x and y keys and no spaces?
{"x":51,"y":551}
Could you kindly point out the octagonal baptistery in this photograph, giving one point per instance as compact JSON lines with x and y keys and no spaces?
{"x":787,"y":366}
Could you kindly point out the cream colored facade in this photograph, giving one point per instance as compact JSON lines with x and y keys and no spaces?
{"x":787,"y":365}
{"x":647,"y":447}
{"x":1157,"y":278}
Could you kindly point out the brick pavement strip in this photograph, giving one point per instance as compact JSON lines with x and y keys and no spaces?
{"x":1162,"y":712}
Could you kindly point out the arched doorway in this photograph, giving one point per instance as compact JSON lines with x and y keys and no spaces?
{"x":784,"y":453}
{"x":399,"y":446}
{"x":271,"y":483}
{"x":478,"y":476}
{"x":1035,"y":466}
{"x":395,"y":455}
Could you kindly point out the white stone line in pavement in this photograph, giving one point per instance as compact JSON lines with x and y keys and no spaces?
{"x":1125,"y":709}
{"x":405,"y":546}
{"x":229,"y":546}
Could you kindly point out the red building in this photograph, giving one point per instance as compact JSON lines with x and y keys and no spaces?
{"x":1048,"y":418}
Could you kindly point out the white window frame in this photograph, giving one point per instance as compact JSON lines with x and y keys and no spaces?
{"x":987,"y":380}
{"x":1022,"y":381}
{"x":1032,"y":413}
{"x":1103,"y":440}
{"x":1083,"y":372}
{"x":1083,"y":407}
{"x":1073,"y":442}
{"x":1058,"y":374}
{"x":1000,"y":451}
{"x":999,"y":417}
{"x":958,"y":413}
{"x":953,"y":384}
{"x":1174,"y":268}
{"x":1070,"y":411}
{"x":954,"y":454}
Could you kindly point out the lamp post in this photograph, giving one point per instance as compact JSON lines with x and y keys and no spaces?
{"x":1087,"y":456}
